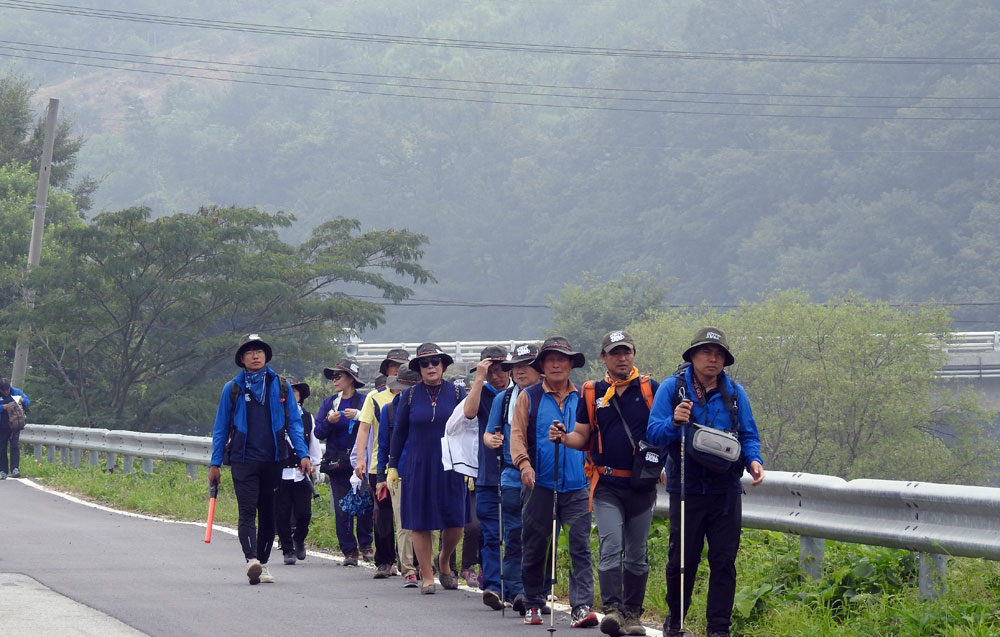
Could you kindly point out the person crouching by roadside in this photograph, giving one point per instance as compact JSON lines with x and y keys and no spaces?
{"x":337,"y":424}
{"x":294,"y":496}
{"x":10,"y":398}
{"x":255,"y":413}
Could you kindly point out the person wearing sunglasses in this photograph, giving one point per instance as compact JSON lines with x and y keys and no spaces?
{"x":337,"y":424}
{"x":434,"y":498}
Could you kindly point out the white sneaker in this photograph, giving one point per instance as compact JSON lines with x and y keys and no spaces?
{"x":265,"y":576}
{"x":253,"y":571}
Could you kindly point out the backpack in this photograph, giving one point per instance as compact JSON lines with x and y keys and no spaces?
{"x":591,"y":469}
{"x":15,"y":415}
{"x":234,"y":394}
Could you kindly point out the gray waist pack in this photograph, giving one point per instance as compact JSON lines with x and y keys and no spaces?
{"x":714,"y":449}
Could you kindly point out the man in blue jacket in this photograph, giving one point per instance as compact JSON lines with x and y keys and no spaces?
{"x":713,"y":506}
{"x":256,"y":411}
{"x":9,"y":395}
{"x":555,"y":398}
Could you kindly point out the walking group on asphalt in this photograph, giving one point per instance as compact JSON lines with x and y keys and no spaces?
{"x":509,"y":460}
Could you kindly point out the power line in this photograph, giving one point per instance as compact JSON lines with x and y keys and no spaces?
{"x":382,"y":38}
{"x":392,"y":81}
{"x":470,"y":99}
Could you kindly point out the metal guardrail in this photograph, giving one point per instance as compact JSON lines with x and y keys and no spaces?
{"x":937,"y":520}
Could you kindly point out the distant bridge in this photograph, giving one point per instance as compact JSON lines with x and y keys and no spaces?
{"x":971,"y":355}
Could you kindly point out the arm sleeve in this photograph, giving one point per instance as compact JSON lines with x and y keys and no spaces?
{"x":400,"y":430}
{"x":383,"y":442}
{"x":661,"y":430}
{"x":519,"y":430}
{"x":322,"y":427}
{"x":315,"y":453}
{"x":220,"y":429}
{"x":748,"y":435}
{"x":25,"y":401}
{"x":369,"y":410}
{"x":296,"y":433}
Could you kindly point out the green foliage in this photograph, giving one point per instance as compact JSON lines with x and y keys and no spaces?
{"x":844,"y":388}
{"x":135,"y":312}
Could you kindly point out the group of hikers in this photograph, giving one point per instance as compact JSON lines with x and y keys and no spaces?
{"x":507,"y":458}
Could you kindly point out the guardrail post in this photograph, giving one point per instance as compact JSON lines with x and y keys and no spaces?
{"x":191,"y":470}
{"x":76,"y":458}
{"x":92,"y":456}
{"x":39,"y":451}
{"x":64,"y":455}
{"x":128,"y":464}
{"x":811,"y":552}
{"x":932,"y":571}
{"x":147,"y":466}
{"x":112,"y":461}
{"x":52,"y":453}
{"x":996,"y":341}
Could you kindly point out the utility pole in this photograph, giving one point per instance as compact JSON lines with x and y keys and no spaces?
{"x":35,"y":248}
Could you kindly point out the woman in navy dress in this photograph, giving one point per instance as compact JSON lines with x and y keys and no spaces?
{"x":432,"y":498}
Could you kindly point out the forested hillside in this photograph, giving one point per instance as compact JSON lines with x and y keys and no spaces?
{"x":735,"y":147}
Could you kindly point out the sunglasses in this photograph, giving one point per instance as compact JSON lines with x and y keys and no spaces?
{"x":336,"y":376}
{"x":430,"y":362}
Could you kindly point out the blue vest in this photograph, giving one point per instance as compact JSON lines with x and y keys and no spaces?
{"x":542,"y":410}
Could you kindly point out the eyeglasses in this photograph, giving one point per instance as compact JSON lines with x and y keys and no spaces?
{"x":336,"y":376}
{"x":430,"y":362}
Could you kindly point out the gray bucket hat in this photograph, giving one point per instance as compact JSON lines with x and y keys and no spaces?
{"x":404,"y":380}
{"x":249,"y":341}
{"x":709,"y":336}
{"x":560,"y":345}
{"x":492,"y":352}
{"x":302,"y":386}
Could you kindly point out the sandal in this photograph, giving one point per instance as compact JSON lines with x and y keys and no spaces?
{"x":428,"y":589}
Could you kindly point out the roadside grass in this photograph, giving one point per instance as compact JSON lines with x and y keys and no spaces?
{"x":864,"y":590}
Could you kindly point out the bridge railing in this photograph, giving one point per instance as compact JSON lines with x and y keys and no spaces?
{"x":936,"y":520}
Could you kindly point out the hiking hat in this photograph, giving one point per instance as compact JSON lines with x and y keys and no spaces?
{"x":709,"y":336}
{"x":380,"y":381}
{"x":492,"y":352}
{"x":395,"y":355}
{"x":250,"y":341}
{"x":303,"y":388}
{"x":347,"y":366}
{"x":458,"y":381}
{"x":616,"y":338}
{"x":404,"y":380}
{"x":523,"y":353}
{"x":429,"y":350}
{"x":561,"y":345}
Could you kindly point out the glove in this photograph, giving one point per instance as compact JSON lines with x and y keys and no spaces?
{"x":392,"y":477}
{"x":355,"y":482}
{"x":318,"y":476}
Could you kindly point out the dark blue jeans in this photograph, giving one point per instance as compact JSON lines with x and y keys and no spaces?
{"x":487,"y":508}
{"x":11,"y":435}
{"x":346,"y":538}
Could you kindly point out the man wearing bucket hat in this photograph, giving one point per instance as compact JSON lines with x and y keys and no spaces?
{"x":367,"y":461}
{"x":254,"y":416}
{"x":491,"y":380}
{"x":294,"y":496}
{"x":703,"y":393}
{"x":337,"y":424}
{"x":554,"y":399}
{"x":497,"y":436}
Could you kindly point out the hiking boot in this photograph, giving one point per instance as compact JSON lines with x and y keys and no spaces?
{"x":492,"y":600}
{"x":382,"y":572}
{"x":3,"y":475}
{"x":632,"y":624}
{"x":289,"y":558}
{"x":670,"y":629}
{"x":253,"y":571}
{"x":613,"y":622}
{"x":300,"y":549}
{"x":518,"y":604}
{"x":351,"y":559}
{"x":265,"y":575}
{"x":410,"y":581}
{"x":583,"y":617}
{"x":368,"y":554}
{"x":15,"y":473}
{"x":448,"y":581}
{"x":428,"y":589}
{"x":533,"y":616}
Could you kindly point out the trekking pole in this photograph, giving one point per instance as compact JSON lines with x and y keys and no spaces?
{"x":555,"y":510}
{"x":681,"y":392}
{"x":503,"y":599}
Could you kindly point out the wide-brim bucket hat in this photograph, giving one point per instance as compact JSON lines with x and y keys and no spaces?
{"x":496,"y":353}
{"x":396,"y":355}
{"x":346,"y":366}
{"x":301,"y":386}
{"x":523,"y":353}
{"x":560,"y":345}
{"x":404,"y":380}
{"x":429,"y":350}
{"x":251,"y":341}
{"x":709,"y":336}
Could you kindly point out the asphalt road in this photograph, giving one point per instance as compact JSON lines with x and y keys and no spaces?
{"x":70,"y":568}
